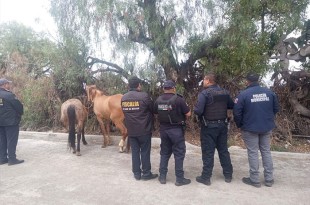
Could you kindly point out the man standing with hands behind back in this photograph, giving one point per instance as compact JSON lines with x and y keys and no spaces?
{"x":211,"y":109}
{"x":172,"y":112}
{"x":11,"y":111}
{"x":138,"y":110}
{"x":254,"y":112}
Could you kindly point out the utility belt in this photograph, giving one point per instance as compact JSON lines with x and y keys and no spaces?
{"x":206,"y":122}
{"x":176,"y":123}
{"x":182,"y":123}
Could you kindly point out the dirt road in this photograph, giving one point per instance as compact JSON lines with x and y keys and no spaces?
{"x":52,"y":175}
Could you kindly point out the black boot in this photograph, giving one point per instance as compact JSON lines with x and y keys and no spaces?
{"x":15,"y":161}
{"x":181,"y":182}
{"x":269,"y":183}
{"x":3,"y":161}
{"x":137,"y":176}
{"x":248,"y":181}
{"x":162,"y":179}
{"x":149,"y":176}
{"x":205,"y":181}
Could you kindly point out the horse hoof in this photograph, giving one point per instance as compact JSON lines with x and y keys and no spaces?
{"x":121,"y":150}
{"x":78,"y":154}
{"x":103,"y":146}
{"x":85,"y":143}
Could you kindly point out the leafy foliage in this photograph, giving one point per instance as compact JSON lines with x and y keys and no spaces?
{"x":34,"y":48}
{"x":253,"y":29}
{"x":41,"y":105}
{"x":44,"y":74}
{"x":106,"y":42}
{"x":176,"y":34}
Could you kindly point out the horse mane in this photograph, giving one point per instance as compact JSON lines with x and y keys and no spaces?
{"x":90,"y":92}
{"x":102,"y":91}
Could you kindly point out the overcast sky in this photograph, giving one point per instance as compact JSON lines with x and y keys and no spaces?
{"x":32,"y":13}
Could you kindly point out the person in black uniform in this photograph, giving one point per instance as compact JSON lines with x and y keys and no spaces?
{"x":211,"y":109}
{"x":11,"y":110}
{"x":172,"y":111}
{"x":138,"y":110}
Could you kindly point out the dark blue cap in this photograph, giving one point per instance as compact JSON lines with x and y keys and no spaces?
{"x":252,"y":77}
{"x":169,"y":84}
{"x":4,"y":81}
{"x":134,"y":82}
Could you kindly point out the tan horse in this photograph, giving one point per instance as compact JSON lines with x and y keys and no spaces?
{"x":108,"y":108}
{"x":73,"y":112}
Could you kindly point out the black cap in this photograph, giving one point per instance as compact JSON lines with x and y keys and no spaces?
{"x":134,"y":82}
{"x":252,"y":77}
{"x":4,"y":81}
{"x":169,"y":84}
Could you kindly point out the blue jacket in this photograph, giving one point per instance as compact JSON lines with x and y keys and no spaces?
{"x":255,"y":108}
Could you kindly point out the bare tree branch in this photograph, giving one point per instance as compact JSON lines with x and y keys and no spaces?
{"x":90,"y":61}
{"x":299,"y":108}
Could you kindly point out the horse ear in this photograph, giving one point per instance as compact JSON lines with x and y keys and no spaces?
{"x":92,"y":92}
{"x":87,"y":88}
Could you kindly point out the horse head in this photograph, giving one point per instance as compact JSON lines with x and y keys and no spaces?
{"x":91,"y":92}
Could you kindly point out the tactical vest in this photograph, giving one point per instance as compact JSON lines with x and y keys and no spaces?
{"x":217,"y":109}
{"x":167,"y":112}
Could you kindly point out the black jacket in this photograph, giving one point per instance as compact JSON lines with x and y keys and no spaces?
{"x":11,"y":109}
{"x":138,"y":110}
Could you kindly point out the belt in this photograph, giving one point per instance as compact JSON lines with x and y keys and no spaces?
{"x":216,"y":121}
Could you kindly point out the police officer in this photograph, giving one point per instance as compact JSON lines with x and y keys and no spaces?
{"x":138,"y":110}
{"x":254,"y":112}
{"x":172,"y":111}
{"x":11,"y":111}
{"x":211,"y":109}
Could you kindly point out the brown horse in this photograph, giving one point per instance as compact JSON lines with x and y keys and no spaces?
{"x":108,"y":108}
{"x":73,"y":112}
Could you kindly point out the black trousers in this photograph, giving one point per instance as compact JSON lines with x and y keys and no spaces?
{"x":141,"y":150}
{"x":214,"y":136}
{"x":8,"y":142}
{"x":172,"y":141}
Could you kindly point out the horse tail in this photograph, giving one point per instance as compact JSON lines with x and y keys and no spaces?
{"x":72,"y":119}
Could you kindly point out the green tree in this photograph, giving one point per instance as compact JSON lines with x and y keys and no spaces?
{"x":44,"y":73}
{"x":182,"y":39}
{"x":33,"y":49}
{"x":254,"y":28}
{"x":175,"y":35}
{"x":160,"y":29}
